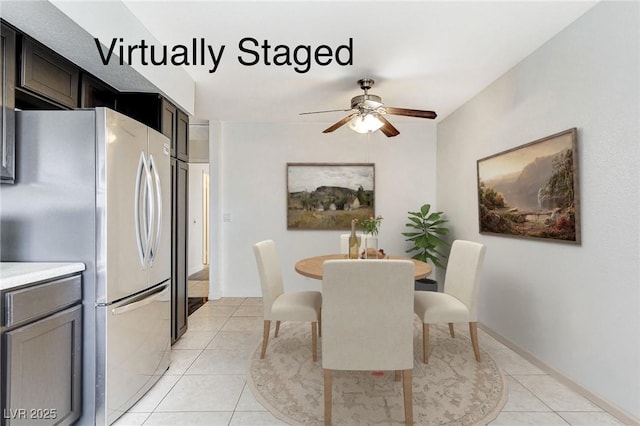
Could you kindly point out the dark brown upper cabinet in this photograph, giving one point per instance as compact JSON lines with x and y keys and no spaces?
{"x":169,"y":117}
{"x":7,"y":106}
{"x":158,"y":113}
{"x":144,"y":107}
{"x":175,"y":126}
{"x":94,"y":93}
{"x":48,"y":74}
{"x":182,"y":136}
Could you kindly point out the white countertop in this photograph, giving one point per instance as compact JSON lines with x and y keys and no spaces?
{"x":14,"y":274}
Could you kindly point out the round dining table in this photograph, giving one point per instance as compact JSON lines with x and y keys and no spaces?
{"x":312,"y":266}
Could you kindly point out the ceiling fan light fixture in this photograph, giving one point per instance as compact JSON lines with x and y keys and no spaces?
{"x":367,"y":113}
{"x":364,"y":123}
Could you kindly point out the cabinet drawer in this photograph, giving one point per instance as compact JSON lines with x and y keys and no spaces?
{"x":33,"y":302}
{"x":48,"y":74}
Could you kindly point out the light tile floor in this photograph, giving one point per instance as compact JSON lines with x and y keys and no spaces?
{"x":206,"y":383}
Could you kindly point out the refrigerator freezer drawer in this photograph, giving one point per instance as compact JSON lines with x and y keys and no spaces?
{"x":137,"y":349}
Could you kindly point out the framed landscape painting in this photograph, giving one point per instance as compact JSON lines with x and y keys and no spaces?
{"x":329,"y":196}
{"x":531,"y":191}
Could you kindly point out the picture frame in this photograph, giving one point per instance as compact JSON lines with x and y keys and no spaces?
{"x":532,"y":191}
{"x":328,"y":196}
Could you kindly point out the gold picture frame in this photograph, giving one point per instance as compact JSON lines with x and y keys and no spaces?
{"x":329,"y":195}
{"x":532,"y":191}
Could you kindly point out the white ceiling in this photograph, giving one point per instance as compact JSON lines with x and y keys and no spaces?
{"x":431,"y":55}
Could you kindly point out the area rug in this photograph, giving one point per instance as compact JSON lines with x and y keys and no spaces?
{"x":453,"y":389}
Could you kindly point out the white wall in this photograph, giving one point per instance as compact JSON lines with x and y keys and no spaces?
{"x":252,"y":173}
{"x":195,"y":261}
{"x":215,"y":214}
{"x":199,"y":142}
{"x":574,"y":307}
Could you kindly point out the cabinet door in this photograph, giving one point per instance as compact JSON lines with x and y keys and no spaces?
{"x":46,"y":73}
{"x":179,"y":311}
{"x":7,"y":100}
{"x":44,"y":370}
{"x":94,"y":93}
{"x":143,"y":107}
{"x":182,"y":137}
{"x":168,"y":123}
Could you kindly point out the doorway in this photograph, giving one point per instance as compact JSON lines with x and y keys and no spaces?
{"x":199,"y":222}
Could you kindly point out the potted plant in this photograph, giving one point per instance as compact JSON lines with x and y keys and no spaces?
{"x":371,"y":225}
{"x":426,"y":230}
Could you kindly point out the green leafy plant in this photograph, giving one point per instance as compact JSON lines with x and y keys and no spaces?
{"x":371,"y":225}
{"x":425,"y":235}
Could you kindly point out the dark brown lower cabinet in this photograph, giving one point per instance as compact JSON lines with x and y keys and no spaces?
{"x":179,"y":205}
{"x":44,"y":371}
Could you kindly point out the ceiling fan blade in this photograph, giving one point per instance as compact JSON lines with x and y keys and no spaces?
{"x":410,"y":112}
{"x":339,"y":123}
{"x":387,"y":128}
{"x":320,"y":112}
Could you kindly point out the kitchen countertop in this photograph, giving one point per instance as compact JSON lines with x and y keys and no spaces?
{"x":15,"y":274}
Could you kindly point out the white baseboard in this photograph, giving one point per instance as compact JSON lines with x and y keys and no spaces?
{"x":620,"y":414}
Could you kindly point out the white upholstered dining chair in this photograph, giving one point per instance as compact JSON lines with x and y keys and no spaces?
{"x":344,"y":243}
{"x":280,"y":306}
{"x":459,"y":299}
{"x":368,"y":322}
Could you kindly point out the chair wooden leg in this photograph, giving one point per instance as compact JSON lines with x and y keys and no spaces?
{"x":265,"y":338}
{"x":398,"y":375}
{"x":320,"y":323}
{"x":277,"y":329}
{"x":408,"y":396}
{"x":473,"y":329}
{"x":314,"y":340}
{"x":328,"y":385}
{"x":451,"y":330}
{"x":425,"y":343}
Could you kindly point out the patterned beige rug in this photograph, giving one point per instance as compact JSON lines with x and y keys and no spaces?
{"x":453,"y":389}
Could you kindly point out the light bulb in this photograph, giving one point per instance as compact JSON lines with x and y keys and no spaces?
{"x":364,"y":123}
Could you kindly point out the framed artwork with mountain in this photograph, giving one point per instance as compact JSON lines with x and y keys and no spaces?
{"x":531,"y":191}
{"x":329,"y":195}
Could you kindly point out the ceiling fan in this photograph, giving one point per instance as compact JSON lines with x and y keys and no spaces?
{"x":368,"y":113}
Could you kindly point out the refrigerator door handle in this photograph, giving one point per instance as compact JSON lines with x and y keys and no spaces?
{"x":3,"y":117}
{"x":150,"y":216}
{"x":137,"y":211}
{"x":158,"y":220}
{"x":140,"y":303}
{"x":143,"y":213}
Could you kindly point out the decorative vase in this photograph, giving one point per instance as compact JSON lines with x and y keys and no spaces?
{"x":370,"y":247}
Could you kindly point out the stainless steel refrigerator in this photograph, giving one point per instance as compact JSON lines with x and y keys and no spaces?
{"x":95,"y":186}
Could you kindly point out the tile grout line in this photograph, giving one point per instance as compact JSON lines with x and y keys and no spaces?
{"x":550,"y":409}
{"x":182,"y":374}
{"x":235,"y":408}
